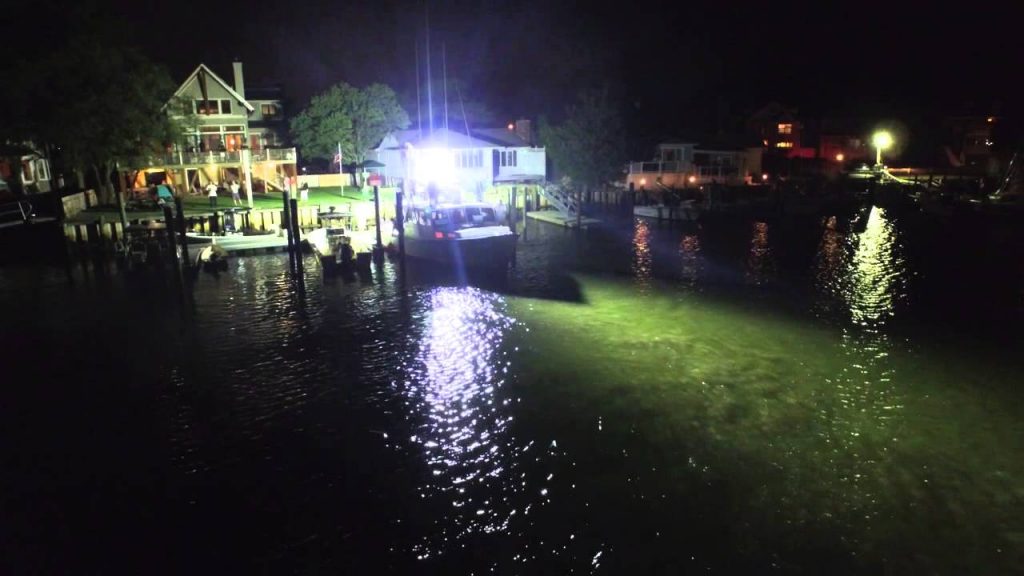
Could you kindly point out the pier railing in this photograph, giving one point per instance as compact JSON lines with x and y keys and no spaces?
{"x":16,"y":212}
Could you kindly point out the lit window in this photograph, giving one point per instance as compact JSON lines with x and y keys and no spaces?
{"x":268,"y":110}
{"x":214,"y":106}
{"x":783,"y":144}
{"x":785,"y":129}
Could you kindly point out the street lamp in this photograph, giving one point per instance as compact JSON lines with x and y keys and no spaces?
{"x":881,"y":140}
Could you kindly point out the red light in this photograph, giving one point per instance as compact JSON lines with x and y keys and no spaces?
{"x":439,"y":235}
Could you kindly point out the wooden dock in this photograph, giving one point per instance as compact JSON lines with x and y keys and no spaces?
{"x":555,"y":217}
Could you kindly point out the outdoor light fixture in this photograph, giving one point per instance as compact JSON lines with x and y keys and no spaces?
{"x":881,"y":140}
{"x":433,"y":165}
{"x":764,"y":176}
{"x":511,"y":126}
{"x":840,"y":157}
{"x":643,"y":181}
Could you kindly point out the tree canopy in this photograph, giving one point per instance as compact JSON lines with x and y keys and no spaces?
{"x":589,"y":146}
{"x":94,"y":104}
{"x":358,"y":118}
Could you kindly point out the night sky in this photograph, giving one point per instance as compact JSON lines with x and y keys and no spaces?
{"x":672,"y":66}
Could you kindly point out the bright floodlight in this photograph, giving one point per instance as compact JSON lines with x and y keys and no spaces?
{"x":433,"y":166}
{"x":881,"y":140}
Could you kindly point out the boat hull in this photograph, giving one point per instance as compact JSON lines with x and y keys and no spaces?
{"x":492,"y":252}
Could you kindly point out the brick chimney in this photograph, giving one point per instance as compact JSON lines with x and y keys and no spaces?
{"x":525,"y":130}
{"x":239,"y":79}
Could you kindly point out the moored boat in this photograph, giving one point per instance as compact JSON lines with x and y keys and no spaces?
{"x":462,"y":236}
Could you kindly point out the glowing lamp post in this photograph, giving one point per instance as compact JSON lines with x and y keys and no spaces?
{"x":881,"y":141}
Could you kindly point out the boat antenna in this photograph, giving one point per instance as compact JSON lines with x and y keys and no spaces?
{"x":419,"y":112}
{"x":462,"y":105}
{"x":444,"y":78}
{"x":430,"y":97}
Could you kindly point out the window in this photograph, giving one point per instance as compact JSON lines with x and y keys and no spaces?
{"x":785,"y":128}
{"x":783,"y":144}
{"x":508,"y":158}
{"x":212,"y":106}
{"x":469,"y":159}
{"x":268,"y":110}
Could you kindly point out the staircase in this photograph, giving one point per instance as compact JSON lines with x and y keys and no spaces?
{"x":563,"y":200}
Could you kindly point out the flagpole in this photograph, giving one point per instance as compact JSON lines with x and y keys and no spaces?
{"x":341,"y":171}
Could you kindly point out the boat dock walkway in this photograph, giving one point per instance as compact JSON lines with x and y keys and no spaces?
{"x":555,"y":217}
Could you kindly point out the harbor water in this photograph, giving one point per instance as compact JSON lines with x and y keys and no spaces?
{"x":838,"y":395}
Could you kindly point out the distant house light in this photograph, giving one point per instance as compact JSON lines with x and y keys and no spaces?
{"x":643,"y":181}
{"x":764,"y":176}
{"x":785,"y":128}
{"x":840,"y":157}
{"x":783,"y":144}
{"x":511,"y":126}
{"x":990,"y":119}
{"x":692,"y":179}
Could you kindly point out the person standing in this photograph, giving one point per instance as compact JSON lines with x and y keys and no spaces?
{"x":235,"y":198}
{"x":211,"y":193}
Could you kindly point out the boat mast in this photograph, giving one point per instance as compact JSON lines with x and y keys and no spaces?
{"x":419,"y":113}
{"x":444,"y":78}
{"x":430,"y":97}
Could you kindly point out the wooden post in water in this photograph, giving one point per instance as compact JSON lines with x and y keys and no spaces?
{"x":378,"y":249}
{"x":181,"y":230}
{"x":512,"y":210}
{"x":286,"y":219}
{"x":400,"y":222}
{"x":120,"y":210}
{"x":295,"y":226}
{"x":172,"y":246}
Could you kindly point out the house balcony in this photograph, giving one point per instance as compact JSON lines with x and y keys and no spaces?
{"x":649,"y":175}
{"x":182,"y":158}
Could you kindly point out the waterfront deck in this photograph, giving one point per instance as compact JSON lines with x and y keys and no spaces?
{"x":553,"y":217}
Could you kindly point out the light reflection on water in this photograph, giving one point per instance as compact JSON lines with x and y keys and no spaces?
{"x":642,"y":254}
{"x":692,"y":262}
{"x":760,"y":261}
{"x":463,"y":433}
{"x":866,"y":273}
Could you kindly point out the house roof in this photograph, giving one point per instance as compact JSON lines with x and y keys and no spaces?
{"x":501,"y":136}
{"x":440,"y":137}
{"x":264,"y":92}
{"x":210,"y":74}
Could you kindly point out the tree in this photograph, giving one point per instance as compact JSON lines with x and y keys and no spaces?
{"x":589,"y":146}
{"x":358,"y":118}
{"x":104,"y":107}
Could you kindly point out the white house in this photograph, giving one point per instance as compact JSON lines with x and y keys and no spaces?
{"x":689,"y":164}
{"x":471,"y":164}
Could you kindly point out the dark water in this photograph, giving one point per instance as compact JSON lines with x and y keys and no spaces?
{"x":754,"y":397}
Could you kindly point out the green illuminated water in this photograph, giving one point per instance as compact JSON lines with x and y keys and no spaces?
{"x":835,"y":441}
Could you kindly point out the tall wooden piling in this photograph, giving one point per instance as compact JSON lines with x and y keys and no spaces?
{"x":376,"y":214}
{"x":286,"y":219}
{"x":400,"y":222}
{"x":295,"y":226}
{"x":172,"y":245}
{"x":183,"y":239}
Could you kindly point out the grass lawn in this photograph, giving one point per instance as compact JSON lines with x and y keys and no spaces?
{"x":323,"y":197}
